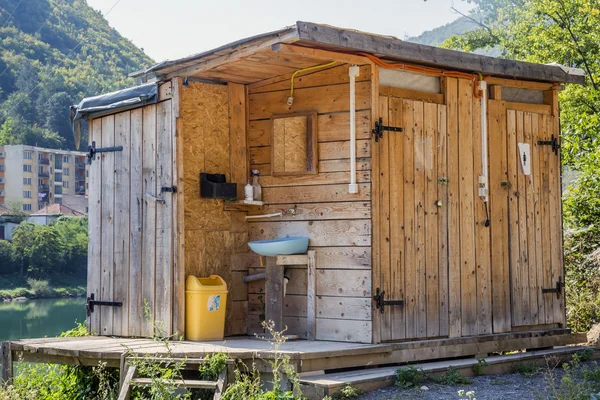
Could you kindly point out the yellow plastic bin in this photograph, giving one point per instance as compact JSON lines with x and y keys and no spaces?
{"x":205,"y":300}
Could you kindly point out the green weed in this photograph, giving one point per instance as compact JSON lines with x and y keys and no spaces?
{"x":452,"y":377}
{"x":524,"y":368}
{"x":479,"y":367}
{"x":410,"y":377}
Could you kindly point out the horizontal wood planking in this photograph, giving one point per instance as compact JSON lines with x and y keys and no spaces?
{"x":325,"y":99}
{"x":344,"y":330}
{"x":327,"y":151}
{"x":323,"y":233}
{"x":315,"y":194}
{"x":327,"y":258}
{"x":332,"y":76}
{"x":319,"y":211}
{"x":331,"y":127}
{"x":336,"y":221}
{"x":357,"y":308}
{"x":327,"y":178}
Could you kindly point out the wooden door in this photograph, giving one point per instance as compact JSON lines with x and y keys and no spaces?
{"x":535,"y":228}
{"x":131,"y":223}
{"x":527,"y":226}
{"x":413,"y":225}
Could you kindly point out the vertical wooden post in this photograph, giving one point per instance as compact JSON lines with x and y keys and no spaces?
{"x":7,"y":364}
{"x":311,"y":297}
{"x":274,"y":294}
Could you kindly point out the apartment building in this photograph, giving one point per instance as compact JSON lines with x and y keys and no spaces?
{"x":38,"y":177}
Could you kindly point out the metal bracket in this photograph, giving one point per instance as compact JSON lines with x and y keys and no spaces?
{"x":170,"y":189}
{"x":90,"y":303}
{"x":92,"y":150}
{"x":560,"y":284}
{"x":552,"y":142}
{"x":380,"y":303}
{"x":379,"y":128}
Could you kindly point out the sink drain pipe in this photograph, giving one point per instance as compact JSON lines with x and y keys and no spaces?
{"x":263,"y":275}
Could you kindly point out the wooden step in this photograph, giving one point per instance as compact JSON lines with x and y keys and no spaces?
{"x":319,"y":386}
{"x":188,"y":383}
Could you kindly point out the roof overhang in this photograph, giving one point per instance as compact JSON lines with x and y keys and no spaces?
{"x":213,"y":64}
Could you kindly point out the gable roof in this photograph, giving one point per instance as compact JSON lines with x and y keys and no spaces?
{"x":389,"y":48}
{"x":58,"y":209}
{"x":4,"y":210}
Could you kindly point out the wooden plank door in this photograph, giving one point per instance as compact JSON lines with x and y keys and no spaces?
{"x":413,"y":227}
{"x":131,"y":221}
{"x":535,"y":228}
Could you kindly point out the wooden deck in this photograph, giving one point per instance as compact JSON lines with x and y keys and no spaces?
{"x":306,"y":355}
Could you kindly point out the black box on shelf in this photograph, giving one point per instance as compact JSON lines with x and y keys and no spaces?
{"x":213,"y":186}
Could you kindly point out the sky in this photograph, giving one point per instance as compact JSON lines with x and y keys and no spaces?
{"x":171,"y":29}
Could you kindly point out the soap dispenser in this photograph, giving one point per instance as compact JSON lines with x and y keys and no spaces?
{"x":255,"y":186}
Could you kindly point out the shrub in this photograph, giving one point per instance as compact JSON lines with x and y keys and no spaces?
{"x":408,"y":378}
{"x":478,"y":368}
{"x":40,"y":287}
{"x":347,"y":392}
{"x":452,"y":377}
{"x":524,"y":368}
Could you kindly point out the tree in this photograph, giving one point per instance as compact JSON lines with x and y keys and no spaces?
{"x":566,"y":32}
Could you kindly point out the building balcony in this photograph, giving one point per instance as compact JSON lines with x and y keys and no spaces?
{"x":80,"y":190}
{"x":80,"y":165}
{"x":44,"y":161}
{"x":43,"y":174}
{"x":43,"y":188}
{"x":80,"y":178}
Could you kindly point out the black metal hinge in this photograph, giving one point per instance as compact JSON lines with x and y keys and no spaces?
{"x":552,"y":142}
{"x":90,"y":303}
{"x":379,"y":128}
{"x":169,"y":189}
{"x":560,"y":284}
{"x":380,"y":303}
{"x":92,"y":151}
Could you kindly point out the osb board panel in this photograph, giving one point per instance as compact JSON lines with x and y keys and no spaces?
{"x":211,"y":234}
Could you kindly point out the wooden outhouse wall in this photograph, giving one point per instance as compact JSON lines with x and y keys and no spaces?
{"x":338,"y":223}
{"x":208,"y":115}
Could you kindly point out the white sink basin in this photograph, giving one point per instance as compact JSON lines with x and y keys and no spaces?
{"x":275,"y":247}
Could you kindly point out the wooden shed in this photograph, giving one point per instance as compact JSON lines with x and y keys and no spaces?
{"x":427,"y":180}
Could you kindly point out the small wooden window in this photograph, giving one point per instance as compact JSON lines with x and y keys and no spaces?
{"x":294,"y":144}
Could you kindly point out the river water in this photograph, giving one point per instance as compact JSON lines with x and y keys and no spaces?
{"x":39,"y":318}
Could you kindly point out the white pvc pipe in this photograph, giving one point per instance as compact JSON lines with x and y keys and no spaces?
{"x":279,"y":214}
{"x":483,"y":179}
{"x":353,"y":73}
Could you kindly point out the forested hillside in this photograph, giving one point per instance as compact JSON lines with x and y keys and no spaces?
{"x":437,"y":36}
{"x":53,"y":53}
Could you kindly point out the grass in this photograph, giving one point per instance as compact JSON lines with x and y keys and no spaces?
{"x":15,"y":286}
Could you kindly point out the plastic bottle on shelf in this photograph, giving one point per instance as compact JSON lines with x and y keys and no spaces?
{"x":248,"y":191}
{"x":257,"y":190}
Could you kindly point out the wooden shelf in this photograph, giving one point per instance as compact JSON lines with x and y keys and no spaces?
{"x":241,"y":205}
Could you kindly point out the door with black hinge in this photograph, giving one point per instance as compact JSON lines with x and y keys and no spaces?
{"x":411,"y":293}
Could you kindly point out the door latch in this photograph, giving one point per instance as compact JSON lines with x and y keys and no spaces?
{"x":380,"y":301}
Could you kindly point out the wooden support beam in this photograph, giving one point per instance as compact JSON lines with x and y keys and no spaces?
{"x":231,"y":57}
{"x":412,"y":94}
{"x":311,"y":297}
{"x":324,"y":55}
{"x":7,"y":364}
{"x":125,"y":391}
{"x":532,"y":108}
{"x":513,"y":83}
{"x":495,"y":92}
{"x":295,"y":259}
{"x":274,"y":294}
